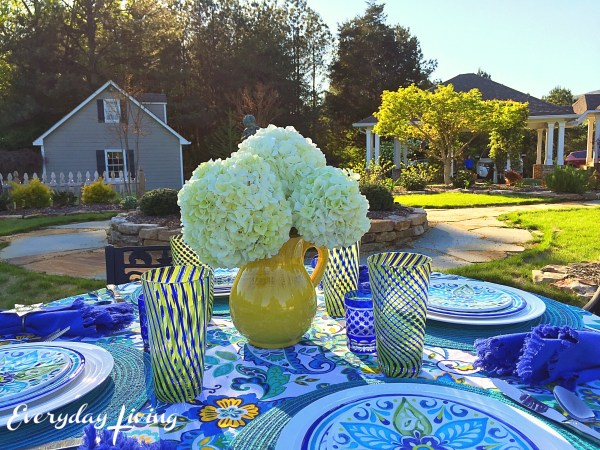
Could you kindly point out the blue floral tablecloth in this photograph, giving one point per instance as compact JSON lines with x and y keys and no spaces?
{"x":242,"y":382}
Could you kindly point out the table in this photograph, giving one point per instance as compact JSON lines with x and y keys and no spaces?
{"x":242,"y":382}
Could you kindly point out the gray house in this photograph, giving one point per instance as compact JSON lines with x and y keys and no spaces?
{"x":113,"y":132}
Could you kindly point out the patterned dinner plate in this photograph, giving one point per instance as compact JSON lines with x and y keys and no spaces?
{"x":468,"y":296}
{"x":413,"y":415}
{"x":98,"y":366}
{"x":534,"y":307}
{"x":518,"y":304}
{"x":30,"y":372}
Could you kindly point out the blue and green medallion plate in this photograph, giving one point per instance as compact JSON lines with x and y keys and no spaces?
{"x":468,"y":296}
{"x":30,"y":372}
{"x":412,"y":415}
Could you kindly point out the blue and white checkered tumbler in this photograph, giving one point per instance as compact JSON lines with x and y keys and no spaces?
{"x":400,"y":287}
{"x":360,"y":328}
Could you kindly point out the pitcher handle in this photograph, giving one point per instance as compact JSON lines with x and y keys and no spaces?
{"x":323,"y":256}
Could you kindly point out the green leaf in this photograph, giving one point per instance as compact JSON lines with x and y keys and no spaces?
{"x":408,"y":419}
{"x":227,"y":355}
{"x":211,"y":361}
{"x":223,"y":370}
{"x":276,"y":380}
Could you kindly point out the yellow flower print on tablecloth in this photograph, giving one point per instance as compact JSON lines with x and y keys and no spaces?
{"x":229,"y":412}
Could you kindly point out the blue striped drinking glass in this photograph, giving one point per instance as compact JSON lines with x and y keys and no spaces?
{"x":341,"y":276}
{"x":400,"y":287}
{"x":176,"y":300}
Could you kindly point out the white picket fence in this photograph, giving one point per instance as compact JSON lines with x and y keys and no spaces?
{"x":69,"y":182}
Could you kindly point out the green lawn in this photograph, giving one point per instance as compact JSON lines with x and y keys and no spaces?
{"x":465,"y":200}
{"x":14,"y":226}
{"x":566,"y":236}
{"x":18,"y":285}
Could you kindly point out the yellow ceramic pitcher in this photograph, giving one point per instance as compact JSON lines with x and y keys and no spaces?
{"x":273,"y":300}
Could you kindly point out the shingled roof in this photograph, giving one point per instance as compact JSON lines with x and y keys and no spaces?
{"x":587,"y":102}
{"x":151,"y":97}
{"x":491,"y":90}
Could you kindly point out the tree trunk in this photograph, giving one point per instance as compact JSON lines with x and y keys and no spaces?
{"x":447,"y":170}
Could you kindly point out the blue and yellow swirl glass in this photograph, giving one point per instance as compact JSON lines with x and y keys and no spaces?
{"x":341,"y":276}
{"x":400,"y":286}
{"x":176,"y":306}
{"x":184,"y":255}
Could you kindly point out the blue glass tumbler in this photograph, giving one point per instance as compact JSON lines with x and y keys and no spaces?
{"x":360,"y":328}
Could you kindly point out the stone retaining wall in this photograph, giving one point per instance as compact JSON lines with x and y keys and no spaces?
{"x":385,"y":234}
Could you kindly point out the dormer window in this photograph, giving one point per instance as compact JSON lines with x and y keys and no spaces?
{"x":112,"y":110}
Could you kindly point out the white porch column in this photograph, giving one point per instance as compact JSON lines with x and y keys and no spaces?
{"x":397,"y":153}
{"x":405,"y":154}
{"x":560,"y":151}
{"x":550,"y":144}
{"x":369,"y":146}
{"x":596,"y":144}
{"x":540,"y":137}
{"x":590,"y":140}
{"x":377,"y":148}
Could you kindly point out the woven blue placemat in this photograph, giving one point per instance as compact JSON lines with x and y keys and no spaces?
{"x":128,"y":385}
{"x":462,"y":337}
{"x":262,"y":433}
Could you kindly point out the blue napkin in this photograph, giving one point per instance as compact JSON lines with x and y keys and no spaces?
{"x":84,"y":320}
{"x":548,"y":354}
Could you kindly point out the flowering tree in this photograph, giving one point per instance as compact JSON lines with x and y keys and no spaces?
{"x":446,"y":119}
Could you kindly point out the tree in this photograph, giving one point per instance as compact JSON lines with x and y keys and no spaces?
{"x":130,"y":128}
{"x":446,"y":119}
{"x":507,"y":123}
{"x":371,"y":57}
{"x":560,"y":96}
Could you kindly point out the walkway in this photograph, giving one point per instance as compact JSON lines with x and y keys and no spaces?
{"x":76,"y":249}
{"x":456,"y":237}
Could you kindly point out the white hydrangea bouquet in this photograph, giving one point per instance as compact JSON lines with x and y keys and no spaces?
{"x":241,"y":209}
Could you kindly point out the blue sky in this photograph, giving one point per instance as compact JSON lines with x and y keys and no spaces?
{"x":529,"y":45}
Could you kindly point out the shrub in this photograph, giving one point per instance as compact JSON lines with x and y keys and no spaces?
{"x":379,"y":197}
{"x":417,"y":176}
{"x":463,"y":179}
{"x":568,"y":179}
{"x":159,"y":202}
{"x":129,"y":202}
{"x":594,"y":181}
{"x":63,"y":198}
{"x":35,"y":194}
{"x":513,"y":177}
{"x":377,"y":173}
{"x":98,"y":192}
{"x":5,"y":201}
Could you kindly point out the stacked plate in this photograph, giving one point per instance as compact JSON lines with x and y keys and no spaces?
{"x":224,"y":279}
{"x":481,"y":303}
{"x":47,"y":376}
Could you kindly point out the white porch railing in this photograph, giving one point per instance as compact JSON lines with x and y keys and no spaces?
{"x":70,"y":182}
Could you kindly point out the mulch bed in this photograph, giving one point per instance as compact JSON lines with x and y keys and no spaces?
{"x":585,"y":271}
{"x":171,"y":221}
{"x":398,"y":210}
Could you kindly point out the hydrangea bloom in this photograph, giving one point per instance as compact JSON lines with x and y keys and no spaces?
{"x":291,"y":156}
{"x":328,"y":208}
{"x":234,"y":211}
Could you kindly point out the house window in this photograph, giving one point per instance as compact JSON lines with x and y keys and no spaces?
{"x":116,"y":162}
{"x":112,"y":110}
